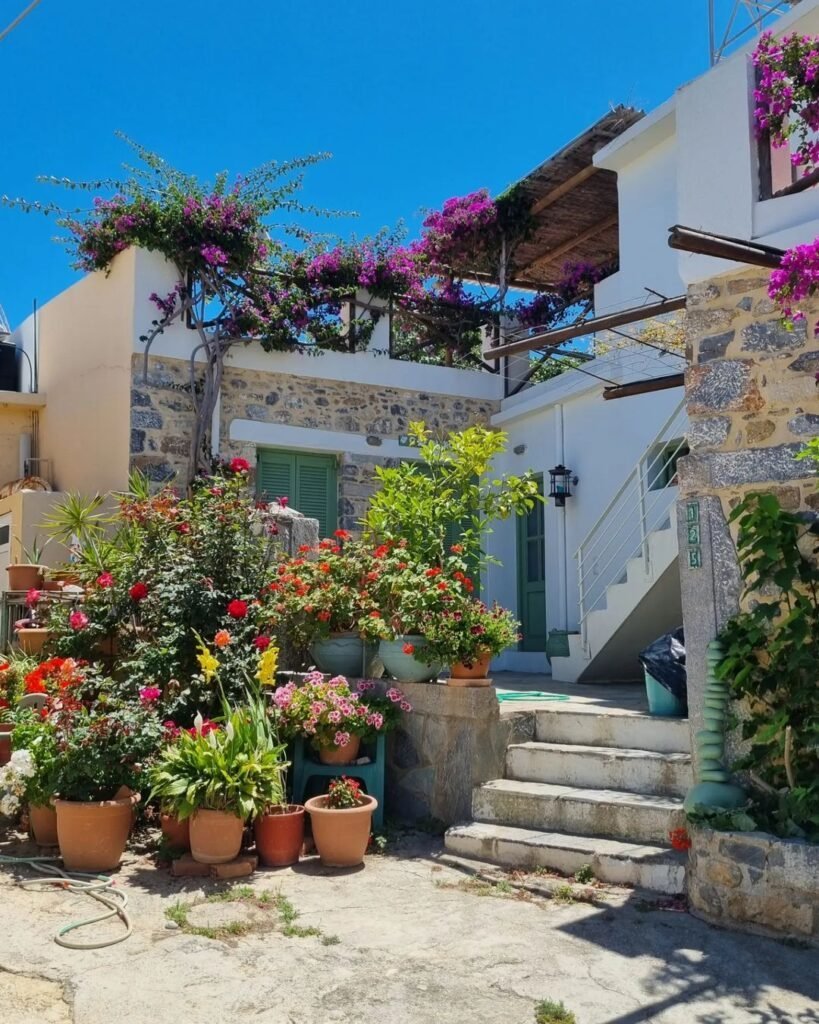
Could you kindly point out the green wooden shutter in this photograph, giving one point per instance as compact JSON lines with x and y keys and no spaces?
{"x":531,"y":576}
{"x":316,"y":490}
{"x":276,"y":475}
{"x":309,"y":481}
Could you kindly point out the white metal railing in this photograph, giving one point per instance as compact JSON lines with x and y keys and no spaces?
{"x":641,"y":505}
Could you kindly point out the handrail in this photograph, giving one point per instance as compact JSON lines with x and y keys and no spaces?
{"x":636,"y":510}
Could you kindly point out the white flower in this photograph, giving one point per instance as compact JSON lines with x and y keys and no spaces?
{"x":22,"y":763}
{"x":212,"y":739}
{"x":229,"y":731}
{"x":9,"y":805}
{"x":198,"y":722}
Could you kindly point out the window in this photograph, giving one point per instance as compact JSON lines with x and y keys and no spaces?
{"x":308,"y":480}
{"x":661,"y":464}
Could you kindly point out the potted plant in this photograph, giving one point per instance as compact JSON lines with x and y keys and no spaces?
{"x":34,"y":742}
{"x":469,"y":634}
{"x":279,"y":834}
{"x":333,"y":717}
{"x":32,"y":635}
{"x":12,"y":671}
{"x":341,"y":821}
{"x":318,"y":604}
{"x":28,"y":574}
{"x":219,"y":777}
{"x":103,"y":751}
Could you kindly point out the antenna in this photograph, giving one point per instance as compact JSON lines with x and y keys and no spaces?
{"x":734,"y":21}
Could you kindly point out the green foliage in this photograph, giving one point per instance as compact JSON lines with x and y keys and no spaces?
{"x":419,"y":502}
{"x":39,"y":738}
{"x":724,"y":820}
{"x":238,"y":768}
{"x":548,"y":1011}
{"x":466,"y":629}
{"x":770,"y":663}
{"x":584,"y":874}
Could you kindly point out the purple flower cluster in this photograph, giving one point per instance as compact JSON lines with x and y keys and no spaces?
{"x":796,"y":279}
{"x":576,"y":285}
{"x":787,"y":94}
{"x":459,"y":231}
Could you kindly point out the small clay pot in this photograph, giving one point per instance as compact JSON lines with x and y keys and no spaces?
{"x":341,"y":755}
{"x":92,"y":835}
{"x":216,"y":836}
{"x":25,"y":577}
{"x":178,"y":833}
{"x":280,"y":835}
{"x":341,"y":835}
{"x":33,"y":639}
{"x":477,"y":670}
{"x":43,"y":824}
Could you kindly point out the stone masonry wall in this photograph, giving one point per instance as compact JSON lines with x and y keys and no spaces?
{"x":755,"y":880}
{"x":752,"y":402}
{"x":161,"y":418}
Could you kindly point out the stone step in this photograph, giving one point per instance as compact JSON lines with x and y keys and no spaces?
{"x":648,"y":867}
{"x":628,"y":730}
{"x":572,"y":764}
{"x":544,"y":806}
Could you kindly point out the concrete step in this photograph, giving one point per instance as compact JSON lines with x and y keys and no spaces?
{"x":647,"y":867}
{"x":627,"y":730}
{"x":571,"y":764}
{"x":544,"y":806}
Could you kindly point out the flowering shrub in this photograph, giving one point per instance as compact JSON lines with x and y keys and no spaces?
{"x":13,"y":671}
{"x":14,"y":779}
{"x":343,"y":793}
{"x":54,"y":676}
{"x":467,"y":630}
{"x":330,"y":713}
{"x":179,"y":573}
{"x":796,"y":279}
{"x":787,"y":94}
{"x":37,"y":739}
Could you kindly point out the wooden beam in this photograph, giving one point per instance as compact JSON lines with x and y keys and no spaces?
{"x":724,"y":247}
{"x":561,"y":190}
{"x":554,"y":254}
{"x":549,"y":339}
{"x":645,"y":387}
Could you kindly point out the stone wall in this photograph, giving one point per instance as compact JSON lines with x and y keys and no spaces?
{"x":161,"y":416}
{"x":755,"y":880}
{"x":454,"y":739}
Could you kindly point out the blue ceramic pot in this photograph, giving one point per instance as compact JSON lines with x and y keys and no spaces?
{"x":405,"y":667}
{"x":344,"y":654}
{"x":661,"y":701}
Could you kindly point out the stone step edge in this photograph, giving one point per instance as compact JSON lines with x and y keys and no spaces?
{"x":583,"y":794}
{"x":592,"y":750}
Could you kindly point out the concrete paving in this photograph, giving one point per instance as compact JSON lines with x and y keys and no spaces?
{"x":408,"y":939}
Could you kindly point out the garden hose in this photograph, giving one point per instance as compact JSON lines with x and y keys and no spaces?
{"x":98,"y":887}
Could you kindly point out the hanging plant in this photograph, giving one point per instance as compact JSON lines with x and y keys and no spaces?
{"x":787,"y":95}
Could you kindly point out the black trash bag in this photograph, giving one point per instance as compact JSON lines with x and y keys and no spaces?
{"x":664,"y":660}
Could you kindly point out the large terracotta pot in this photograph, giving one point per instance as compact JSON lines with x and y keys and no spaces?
{"x":280,"y":835}
{"x":25,"y":577}
{"x":216,"y":836}
{"x":33,"y":639}
{"x":178,"y":833}
{"x":342,"y":835}
{"x":5,"y":741}
{"x":43,"y":822}
{"x":477,"y":670}
{"x":93,"y":835}
{"x":406,"y":668}
{"x":341,"y":755}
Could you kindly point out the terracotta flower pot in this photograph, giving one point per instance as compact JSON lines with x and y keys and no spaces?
{"x":341,"y":835}
{"x":5,"y":741}
{"x":477,"y":670}
{"x":280,"y":835}
{"x":33,"y":639}
{"x":341,"y":755}
{"x":216,"y":836}
{"x":178,"y":833}
{"x":25,"y":577}
{"x":93,"y":835}
{"x":43,"y":822}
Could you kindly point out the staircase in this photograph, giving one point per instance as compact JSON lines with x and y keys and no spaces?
{"x":596,"y":788}
{"x":627,"y":566}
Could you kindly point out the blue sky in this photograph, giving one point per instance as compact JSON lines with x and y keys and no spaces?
{"x":417,"y":100}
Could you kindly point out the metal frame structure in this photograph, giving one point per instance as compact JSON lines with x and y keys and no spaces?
{"x":747,"y":17}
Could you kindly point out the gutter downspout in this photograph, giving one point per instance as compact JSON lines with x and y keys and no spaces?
{"x":562,"y":554}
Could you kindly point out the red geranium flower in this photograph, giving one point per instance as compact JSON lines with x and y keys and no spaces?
{"x":139,"y":591}
{"x":239,"y":466}
{"x":431,"y":573}
{"x":105,"y":580}
{"x":408,"y":649}
{"x":323,"y":616}
{"x":342,"y":534}
{"x":237,"y":609}
{"x":456,"y":549}
{"x":679,"y":839}
{"x":261,"y":643}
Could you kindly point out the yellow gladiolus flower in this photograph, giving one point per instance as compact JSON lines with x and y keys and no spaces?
{"x":207,"y":662}
{"x":268,"y":663}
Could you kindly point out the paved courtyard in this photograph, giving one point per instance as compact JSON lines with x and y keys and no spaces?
{"x":409,"y":939}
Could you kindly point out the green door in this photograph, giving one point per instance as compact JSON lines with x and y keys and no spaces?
{"x":532,"y":577}
{"x":309,"y":481}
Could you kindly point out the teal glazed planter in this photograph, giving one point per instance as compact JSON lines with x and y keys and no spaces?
{"x":344,"y":654}
{"x":405,"y":668}
{"x":660,"y":701}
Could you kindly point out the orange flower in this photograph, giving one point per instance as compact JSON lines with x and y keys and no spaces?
{"x":222,"y":638}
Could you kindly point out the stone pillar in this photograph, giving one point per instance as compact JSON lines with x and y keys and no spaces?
{"x":453,"y":739}
{"x":752,"y":400}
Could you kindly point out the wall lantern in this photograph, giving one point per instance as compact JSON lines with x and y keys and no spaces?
{"x":560,"y":480}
